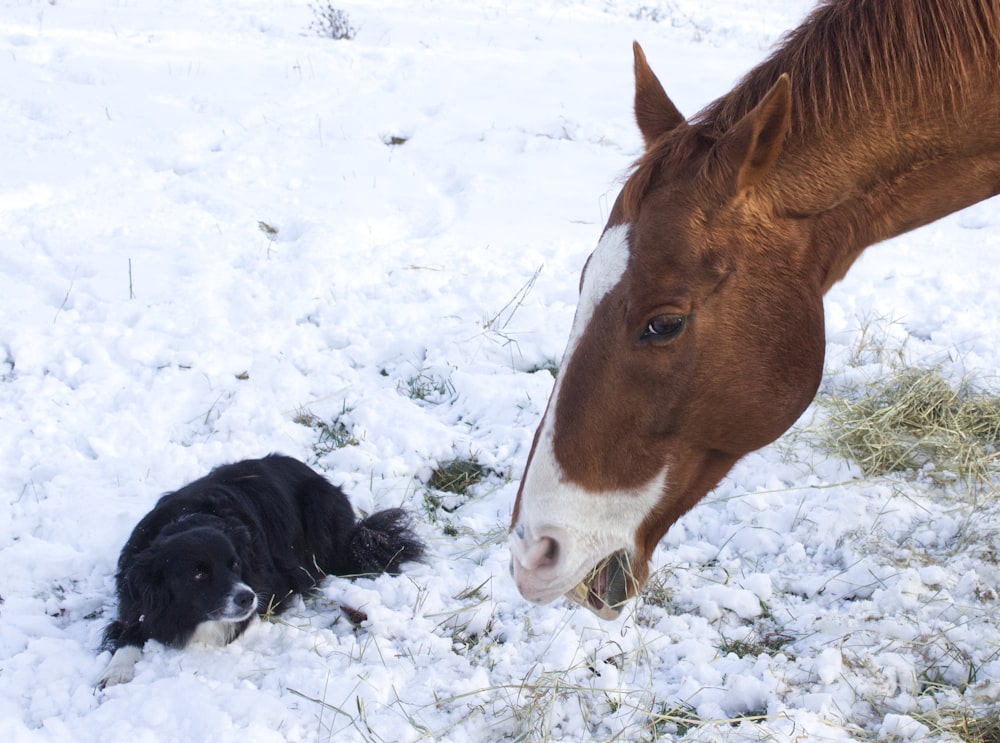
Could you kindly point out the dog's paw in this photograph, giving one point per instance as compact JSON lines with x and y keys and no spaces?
{"x":121,"y":668}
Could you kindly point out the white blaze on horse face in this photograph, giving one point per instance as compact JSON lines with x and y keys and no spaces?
{"x":564,"y":531}
{"x":604,"y":271}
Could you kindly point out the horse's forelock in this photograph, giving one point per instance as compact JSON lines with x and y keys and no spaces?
{"x":676,"y":152}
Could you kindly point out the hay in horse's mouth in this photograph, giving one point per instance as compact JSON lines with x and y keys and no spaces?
{"x":606,"y":588}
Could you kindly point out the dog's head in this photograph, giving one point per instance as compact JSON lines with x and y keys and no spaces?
{"x":189,"y":576}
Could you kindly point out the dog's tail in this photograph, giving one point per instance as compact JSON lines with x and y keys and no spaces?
{"x":384,"y":541}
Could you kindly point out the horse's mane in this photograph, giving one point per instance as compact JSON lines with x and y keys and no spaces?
{"x":856,"y":55}
{"x":876,"y":58}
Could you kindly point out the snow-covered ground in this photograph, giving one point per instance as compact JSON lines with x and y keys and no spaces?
{"x":151,"y":328}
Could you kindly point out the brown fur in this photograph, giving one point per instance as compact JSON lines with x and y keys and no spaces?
{"x":872,"y":118}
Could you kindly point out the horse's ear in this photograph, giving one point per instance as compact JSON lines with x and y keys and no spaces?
{"x":655,"y":113}
{"x":752,"y":146}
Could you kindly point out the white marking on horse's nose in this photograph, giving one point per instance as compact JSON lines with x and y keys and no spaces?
{"x":564,"y":530}
{"x":534,"y":562}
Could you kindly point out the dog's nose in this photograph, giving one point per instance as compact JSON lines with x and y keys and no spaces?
{"x":245,"y":600}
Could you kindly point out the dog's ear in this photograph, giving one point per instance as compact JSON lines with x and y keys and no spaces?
{"x":144,"y":588}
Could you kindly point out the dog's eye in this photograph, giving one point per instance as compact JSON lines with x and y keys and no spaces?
{"x":200,"y":574}
{"x":234,"y":565}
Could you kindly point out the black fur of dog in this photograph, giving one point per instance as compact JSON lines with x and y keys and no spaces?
{"x":238,"y":542}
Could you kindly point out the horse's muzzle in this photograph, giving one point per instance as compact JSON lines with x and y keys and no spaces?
{"x":607,"y":587}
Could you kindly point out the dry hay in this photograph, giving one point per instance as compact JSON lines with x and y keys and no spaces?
{"x":916,"y":421}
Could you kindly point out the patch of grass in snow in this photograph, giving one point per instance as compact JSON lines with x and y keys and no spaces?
{"x":916,"y":421}
{"x":450,"y":486}
{"x":953,"y":680}
{"x":673,"y":721}
{"x":655,"y":598}
{"x":269,"y":230}
{"x":964,"y":723}
{"x":551,"y":366}
{"x":977,"y":729}
{"x":425,"y":386}
{"x":331,"y":23}
{"x":912,"y":420}
{"x":758,"y":641}
{"x":331,"y":435}
{"x":668,"y":722}
{"x":458,"y":475}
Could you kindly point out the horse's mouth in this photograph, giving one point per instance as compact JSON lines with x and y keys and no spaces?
{"x":607,"y":587}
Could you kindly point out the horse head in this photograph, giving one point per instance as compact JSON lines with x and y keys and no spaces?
{"x":698,"y":337}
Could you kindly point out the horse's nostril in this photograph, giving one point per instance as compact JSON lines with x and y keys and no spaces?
{"x":551,"y":551}
{"x":538,"y":553}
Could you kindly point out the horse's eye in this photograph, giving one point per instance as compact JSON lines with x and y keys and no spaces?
{"x":663,"y":327}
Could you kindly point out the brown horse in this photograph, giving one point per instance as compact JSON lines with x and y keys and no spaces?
{"x":699,"y":332}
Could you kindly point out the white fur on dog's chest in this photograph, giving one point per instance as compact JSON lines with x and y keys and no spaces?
{"x":214,"y":633}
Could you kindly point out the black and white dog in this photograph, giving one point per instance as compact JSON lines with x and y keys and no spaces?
{"x":241,"y":541}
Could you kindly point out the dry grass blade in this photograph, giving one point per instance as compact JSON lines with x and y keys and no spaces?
{"x":983,"y":730}
{"x":916,"y":420}
{"x":968,"y":726}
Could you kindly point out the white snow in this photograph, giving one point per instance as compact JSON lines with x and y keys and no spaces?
{"x":150,"y":330}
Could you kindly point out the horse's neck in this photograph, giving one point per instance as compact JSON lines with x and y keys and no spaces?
{"x":871,"y":183}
